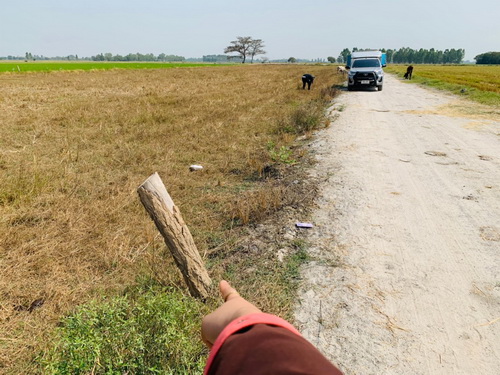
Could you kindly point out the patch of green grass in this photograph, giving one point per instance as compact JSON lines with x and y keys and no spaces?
{"x":22,"y":66}
{"x":294,"y":261}
{"x":477,"y":83}
{"x":152,"y":331}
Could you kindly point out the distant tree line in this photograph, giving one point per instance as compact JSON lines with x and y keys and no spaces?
{"x":215,"y":58}
{"x":102,"y":57}
{"x":137,"y":57}
{"x":30,"y":57}
{"x":407,"y":55}
{"x":297,"y":60}
{"x":488,"y":58}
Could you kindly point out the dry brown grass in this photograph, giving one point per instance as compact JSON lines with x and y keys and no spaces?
{"x":75,"y":145}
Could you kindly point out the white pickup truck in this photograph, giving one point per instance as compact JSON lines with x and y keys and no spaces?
{"x":365,"y":69}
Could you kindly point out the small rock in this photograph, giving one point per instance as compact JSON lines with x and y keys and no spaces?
{"x":281,"y":254}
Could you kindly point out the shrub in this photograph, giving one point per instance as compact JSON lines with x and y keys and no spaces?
{"x":307,"y":117}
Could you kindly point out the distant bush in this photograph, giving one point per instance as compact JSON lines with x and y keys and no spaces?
{"x":152,"y":333}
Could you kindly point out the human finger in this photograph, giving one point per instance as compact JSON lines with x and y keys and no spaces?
{"x":227,"y":291}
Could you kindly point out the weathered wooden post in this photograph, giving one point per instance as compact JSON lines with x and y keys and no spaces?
{"x":168,"y":220}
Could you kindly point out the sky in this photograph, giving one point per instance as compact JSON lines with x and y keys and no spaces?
{"x":289,"y":28}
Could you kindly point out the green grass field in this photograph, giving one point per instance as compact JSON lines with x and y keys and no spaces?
{"x":480,"y":83}
{"x":49,"y":66}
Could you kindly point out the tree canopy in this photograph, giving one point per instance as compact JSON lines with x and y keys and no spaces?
{"x":137,"y":57}
{"x":488,"y":58}
{"x":425,"y":56}
{"x":245,"y":46}
{"x":256,"y":48}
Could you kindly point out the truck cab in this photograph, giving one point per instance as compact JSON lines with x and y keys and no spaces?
{"x":365,"y":70}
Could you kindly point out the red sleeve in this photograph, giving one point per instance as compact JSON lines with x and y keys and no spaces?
{"x":265,"y":344}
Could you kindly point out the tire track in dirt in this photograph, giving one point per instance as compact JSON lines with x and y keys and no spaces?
{"x":405,"y":276}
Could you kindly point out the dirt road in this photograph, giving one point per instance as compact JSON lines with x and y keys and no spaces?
{"x":405,"y":277}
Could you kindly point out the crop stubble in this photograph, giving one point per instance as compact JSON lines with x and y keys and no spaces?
{"x":74,"y":147}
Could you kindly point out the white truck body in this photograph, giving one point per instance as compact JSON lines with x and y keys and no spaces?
{"x":365,"y":69}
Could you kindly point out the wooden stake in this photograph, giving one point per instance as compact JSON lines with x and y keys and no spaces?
{"x":168,"y":220}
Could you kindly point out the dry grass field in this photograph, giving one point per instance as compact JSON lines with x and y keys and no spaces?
{"x":74,"y":146}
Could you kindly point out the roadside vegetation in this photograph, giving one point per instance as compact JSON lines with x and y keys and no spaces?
{"x":479,"y":83}
{"x":87,"y":283}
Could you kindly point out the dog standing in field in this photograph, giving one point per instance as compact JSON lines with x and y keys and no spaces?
{"x":307,"y":79}
{"x":409,"y":72}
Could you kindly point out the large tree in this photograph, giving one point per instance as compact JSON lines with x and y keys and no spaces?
{"x":256,"y":48}
{"x":245,"y":46}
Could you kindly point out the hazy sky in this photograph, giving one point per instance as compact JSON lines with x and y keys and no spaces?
{"x":193,"y":28}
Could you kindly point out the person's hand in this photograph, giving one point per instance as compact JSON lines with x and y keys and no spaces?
{"x":234,"y":306}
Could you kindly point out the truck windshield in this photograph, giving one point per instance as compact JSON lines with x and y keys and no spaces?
{"x":366,"y":63}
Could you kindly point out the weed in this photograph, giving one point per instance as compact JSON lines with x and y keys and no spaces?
{"x":294,"y":261}
{"x":282,"y":154}
{"x":329,"y":92}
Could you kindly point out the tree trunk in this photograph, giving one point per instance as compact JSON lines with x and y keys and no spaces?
{"x":168,"y":220}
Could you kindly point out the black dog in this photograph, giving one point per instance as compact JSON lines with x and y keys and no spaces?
{"x":409,"y":72}
{"x":309,"y":79}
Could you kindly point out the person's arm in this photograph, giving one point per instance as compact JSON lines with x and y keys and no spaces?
{"x":246,"y":341}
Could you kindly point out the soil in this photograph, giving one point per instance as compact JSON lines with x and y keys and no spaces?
{"x":405,"y":276}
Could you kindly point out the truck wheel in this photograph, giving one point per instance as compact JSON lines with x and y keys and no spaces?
{"x":379,"y":88}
